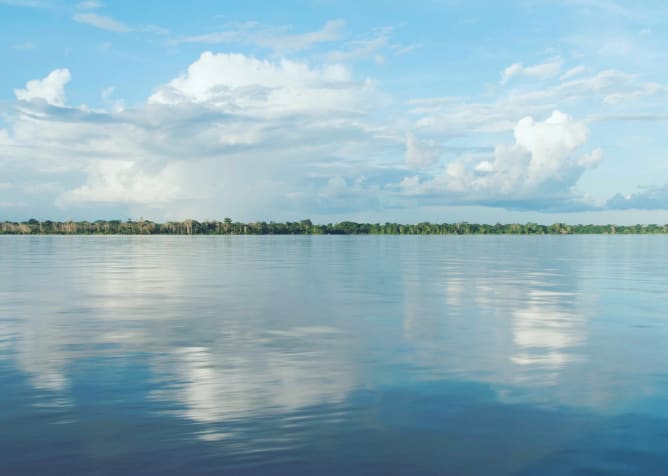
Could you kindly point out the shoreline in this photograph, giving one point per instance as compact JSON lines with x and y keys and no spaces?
{"x":306,"y":227}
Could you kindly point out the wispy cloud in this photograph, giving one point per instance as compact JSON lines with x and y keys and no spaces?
{"x":28,"y":45}
{"x":573,"y":72}
{"x":89,"y":5}
{"x":102,"y":22}
{"x":110,"y":24}
{"x":363,"y":48}
{"x":155,"y":29}
{"x":275,"y":38}
{"x":548,"y":69}
{"x":404,"y":49}
{"x":374,"y":45}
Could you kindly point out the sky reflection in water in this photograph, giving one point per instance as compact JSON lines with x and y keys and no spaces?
{"x":470,"y":355}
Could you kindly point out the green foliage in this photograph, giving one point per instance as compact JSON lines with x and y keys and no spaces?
{"x":306,"y":227}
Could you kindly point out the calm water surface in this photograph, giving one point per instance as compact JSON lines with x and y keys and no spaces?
{"x":334,"y":355}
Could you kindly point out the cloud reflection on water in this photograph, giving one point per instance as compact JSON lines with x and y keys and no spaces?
{"x":237,"y":328}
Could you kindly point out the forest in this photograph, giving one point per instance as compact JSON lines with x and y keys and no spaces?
{"x":306,"y":227}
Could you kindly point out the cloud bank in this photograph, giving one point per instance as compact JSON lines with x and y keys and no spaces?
{"x":277,"y":138}
{"x":542,"y":165}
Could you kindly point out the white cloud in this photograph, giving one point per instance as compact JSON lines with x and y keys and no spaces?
{"x":89,"y":5}
{"x":646,"y":89}
{"x":363,"y":48}
{"x":550,"y":144}
{"x":542,"y":71}
{"x":456,"y":116}
{"x":233,"y":132}
{"x":648,"y":198}
{"x":247,"y":85}
{"x":541,"y":166}
{"x":404,"y":49}
{"x":421,"y":154}
{"x":279,"y":39}
{"x":110,"y":24}
{"x":107,"y":92}
{"x":102,"y":22}
{"x":272,"y":138}
{"x":592,"y":159}
{"x":51,"y":88}
{"x":28,"y":45}
{"x":155,"y":29}
{"x":123,"y":181}
{"x":576,"y":71}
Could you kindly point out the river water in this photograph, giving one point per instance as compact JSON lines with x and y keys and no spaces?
{"x":463,"y":355}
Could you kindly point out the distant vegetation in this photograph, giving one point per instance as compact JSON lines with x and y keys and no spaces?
{"x":306,"y":227}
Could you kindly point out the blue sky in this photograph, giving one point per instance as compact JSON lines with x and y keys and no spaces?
{"x":377,"y":111}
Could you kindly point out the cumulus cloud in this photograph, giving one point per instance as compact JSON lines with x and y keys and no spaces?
{"x":421,"y":154}
{"x":124,"y":182}
{"x":280,"y":138}
{"x":233,"y":133}
{"x":540,"y":166}
{"x":247,"y":85}
{"x":50,"y":89}
{"x":548,"y":69}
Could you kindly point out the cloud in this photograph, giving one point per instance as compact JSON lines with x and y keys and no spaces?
{"x":125,"y":182}
{"x":89,"y":5}
{"x":50,"y":89}
{"x":274,"y":38}
{"x":539,"y":171}
{"x":233,"y":133}
{"x":110,"y":24}
{"x":404,"y":49}
{"x":646,"y":89}
{"x":246,"y":85}
{"x":376,"y":45}
{"x":458,"y":116}
{"x":576,"y":71}
{"x":155,"y":29}
{"x":107,"y":92}
{"x":421,"y":154}
{"x":650,"y":198}
{"x":102,"y":22}
{"x":363,"y":48}
{"x":542,"y":71}
{"x":28,"y":45}
{"x":279,"y":138}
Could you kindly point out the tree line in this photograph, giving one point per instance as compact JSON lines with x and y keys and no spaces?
{"x":306,"y":227}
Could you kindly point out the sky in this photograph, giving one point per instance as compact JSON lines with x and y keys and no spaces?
{"x":434,"y":110}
